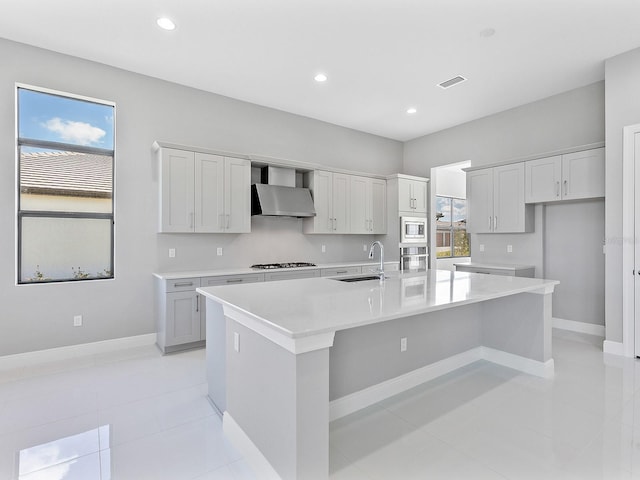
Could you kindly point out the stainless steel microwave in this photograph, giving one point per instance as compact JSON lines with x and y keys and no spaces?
{"x":413,"y":230}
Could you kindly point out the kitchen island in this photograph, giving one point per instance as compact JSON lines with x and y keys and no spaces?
{"x":285,"y":358}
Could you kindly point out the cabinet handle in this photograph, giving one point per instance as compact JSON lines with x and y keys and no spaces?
{"x":490,"y":223}
{"x":566,"y":187}
{"x":335,"y":223}
{"x":183,"y":284}
{"x":495,"y":224}
{"x":197,"y":303}
{"x":557,"y":189}
{"x":341,"y":271}
{"x":234,"y":280}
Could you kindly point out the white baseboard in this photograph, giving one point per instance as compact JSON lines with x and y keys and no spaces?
{"x":526,"y":365}
{"x":353,"y":402}
{"x":251,"y":453}
{"x":613,"y":348}
{"x":18,"y":360}
{"x":580,"y":327}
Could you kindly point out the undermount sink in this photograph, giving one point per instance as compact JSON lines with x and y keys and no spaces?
{"x":358,"y":279}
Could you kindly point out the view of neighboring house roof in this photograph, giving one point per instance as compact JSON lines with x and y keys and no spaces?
{"x":66,"y":173}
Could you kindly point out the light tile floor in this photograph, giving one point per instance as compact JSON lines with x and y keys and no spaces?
{"x":137,"y":415}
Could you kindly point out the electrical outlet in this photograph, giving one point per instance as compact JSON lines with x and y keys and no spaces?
{"x":219,"y":251}
{"x":403,"y":344}
{"x":236,"y":341}
{"x":172,"y":253}
{"x":509,"y":248}
{"x":77,"y":320}
{"x":482,"y":247}
{"x":324,"y":249}
{"x":364,"y":247}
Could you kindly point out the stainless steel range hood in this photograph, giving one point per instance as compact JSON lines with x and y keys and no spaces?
{"x":278,"y":195}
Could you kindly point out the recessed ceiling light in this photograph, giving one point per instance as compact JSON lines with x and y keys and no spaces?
{"x":166,"y":23}
{"x":411,"y":110}
{"x":321,"y":77}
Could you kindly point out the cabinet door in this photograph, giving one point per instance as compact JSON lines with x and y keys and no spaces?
{"x":209,"y":193}
{"x":419,"y":192}
{"x":237,"y":197}
{"x":543,"y":178}
{"x":480,"y":201}
{"x":341,"y":210}
{"x":176,"y":190}
{"x":183,"y":318}
{"x":321,"y":186}
{"x":405,"y":197}
{"x":583,"y":174}
{"x":359,"y":208}
{"x":508,"y":198}
{"x":378,"y":215}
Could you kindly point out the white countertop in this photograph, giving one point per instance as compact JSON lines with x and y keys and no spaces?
{"x":245,"y":271}
{"x":314,"y":306}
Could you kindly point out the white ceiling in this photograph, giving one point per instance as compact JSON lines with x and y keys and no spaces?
{"x":381,"y":56}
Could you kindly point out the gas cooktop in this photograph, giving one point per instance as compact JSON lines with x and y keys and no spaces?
{"x":267,"y":266}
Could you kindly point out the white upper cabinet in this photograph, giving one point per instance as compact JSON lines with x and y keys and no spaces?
{"x":368,"y":204}
{"x":330,"y":193}
{"x":412,"y":197}
{"x":572,"y":176}
{"x":495,"y":201}
{"x":206,"y":193}
{"x":583,"y":174}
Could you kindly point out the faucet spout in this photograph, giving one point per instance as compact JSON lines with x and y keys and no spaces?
{"x":371,"y":249}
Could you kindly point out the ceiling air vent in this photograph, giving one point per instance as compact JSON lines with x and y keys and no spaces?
{"x":451,"y":82}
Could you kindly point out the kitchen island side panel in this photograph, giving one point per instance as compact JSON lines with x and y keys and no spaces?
{"x":519,"y":324}
{"x":280,"y":400}
{"x":216,"y":355}
{"x":365,"y":356}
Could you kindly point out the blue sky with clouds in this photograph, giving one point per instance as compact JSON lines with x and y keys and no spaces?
{"x":43,"y":116}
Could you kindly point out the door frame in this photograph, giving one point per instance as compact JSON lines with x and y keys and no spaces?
{"x":628,"y":239}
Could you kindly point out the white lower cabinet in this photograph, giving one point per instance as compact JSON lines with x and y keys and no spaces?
{"x":180,"y":311}
{"x":336,"y":272}
{"x":291,"y":275}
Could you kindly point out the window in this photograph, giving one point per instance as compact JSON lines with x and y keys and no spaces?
{"x":452,"y":239}
{"x":65,"y":187}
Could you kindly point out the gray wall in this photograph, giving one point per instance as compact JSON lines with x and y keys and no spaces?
{"x":622,"y":77}
{"x":37,"y":317}
{"x":574,"y":235}
{"x":562,"y":121}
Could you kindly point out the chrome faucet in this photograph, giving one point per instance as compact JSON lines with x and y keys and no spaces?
{"x":381,"y":269}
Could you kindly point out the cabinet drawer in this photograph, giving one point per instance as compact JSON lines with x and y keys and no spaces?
{"x":183,"y":284}
{"x":334,"y":272}
{"x":231,"y":279}
{"x":290,"y":275}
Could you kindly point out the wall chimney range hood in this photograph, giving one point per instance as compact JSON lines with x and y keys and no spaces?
{"x":278,"y":196}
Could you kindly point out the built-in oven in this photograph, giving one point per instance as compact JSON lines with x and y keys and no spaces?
{"x":414,"y":257}
{"x":413,"y":230}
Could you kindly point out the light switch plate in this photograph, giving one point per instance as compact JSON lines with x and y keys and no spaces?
{"x":172,"y":253}
{"x":509,"y":248}
{"x":324,"y":248}
{"x":219,"y":251}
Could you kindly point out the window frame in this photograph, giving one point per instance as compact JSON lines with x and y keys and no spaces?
{"x":451,"y":230}
{"x":61,"y":146}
